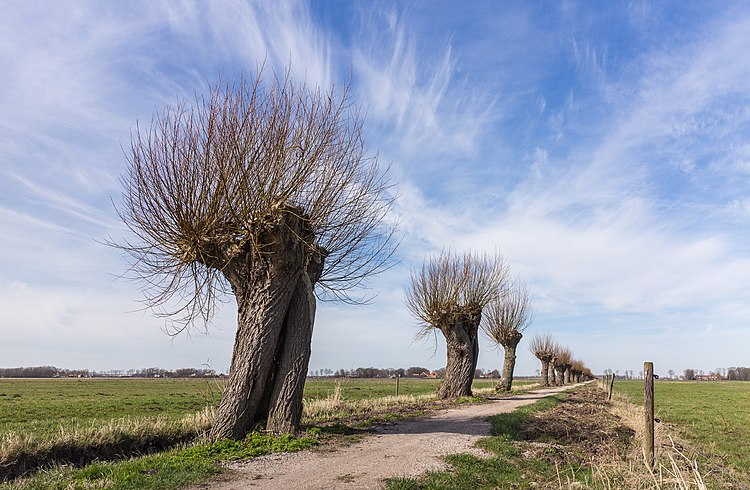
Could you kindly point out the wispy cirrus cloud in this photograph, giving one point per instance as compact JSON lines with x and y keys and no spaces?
{"x":413,"y":91}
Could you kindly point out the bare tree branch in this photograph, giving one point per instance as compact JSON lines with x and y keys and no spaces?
{"x":207,"y":179}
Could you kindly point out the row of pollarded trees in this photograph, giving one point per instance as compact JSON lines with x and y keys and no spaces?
{"x":559,"y":367}
{"x":456,"y":294}
{"x":263,"y":190}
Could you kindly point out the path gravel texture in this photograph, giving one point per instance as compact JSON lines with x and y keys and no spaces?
{"x":406,"y":448}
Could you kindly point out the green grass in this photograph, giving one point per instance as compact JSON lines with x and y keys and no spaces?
{"x":170,"y":470}
{"x":713,"y":415}
{"x":58,"y":419}
{"x":505,"y":469}
{"x":359,"y":389}
{"x":43,"y":405}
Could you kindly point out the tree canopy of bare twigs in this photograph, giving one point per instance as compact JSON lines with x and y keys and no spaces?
{"x":265,"y":189}
{"x":448,"y":294}
{"x":505,"y":320}
{"x":543,"y":347}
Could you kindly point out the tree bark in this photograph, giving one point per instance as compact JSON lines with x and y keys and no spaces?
{"x":273,"y":283}
{"x":567,"y":375}
{"x":560,"y":375}
{"x":552,"y":377}
{"x":545,"y":372}
{"x":262,"y":304}
{"x":285,"y":410}
{"x":509,"y":362}
{"x":462,"y":343}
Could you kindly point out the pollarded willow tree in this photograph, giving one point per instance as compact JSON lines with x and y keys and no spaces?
{"x":506,"y":319}
{"x":543,"y":347}
{"x":262,"y":190}
{"x":448,"y":294}
{"x":576,"y":369}
{"x":563,"y":357}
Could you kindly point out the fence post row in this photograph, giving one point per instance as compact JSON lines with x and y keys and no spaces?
{"x":648,"y":437}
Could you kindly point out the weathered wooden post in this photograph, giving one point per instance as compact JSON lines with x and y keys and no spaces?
{"x":611,"y":386}
{"x":648,"y":437}
{"x":398,"y":379}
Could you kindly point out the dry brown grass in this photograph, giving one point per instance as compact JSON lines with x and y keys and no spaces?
{"x":110,"y":440}
{"x":335,"y":407}
{"x":676,"y":466}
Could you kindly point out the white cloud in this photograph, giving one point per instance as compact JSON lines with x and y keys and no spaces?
{"x":413,"y":93}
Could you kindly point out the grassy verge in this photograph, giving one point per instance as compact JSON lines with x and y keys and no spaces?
{"x":505,"y":468}
{"x":80,"y":442}
{"x":578,"y":441}
{"x":173,"y":469}
{"x":22,"y":452}
{"x":713,"y":416}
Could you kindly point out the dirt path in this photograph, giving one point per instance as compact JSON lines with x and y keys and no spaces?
{"x":407,"y":448}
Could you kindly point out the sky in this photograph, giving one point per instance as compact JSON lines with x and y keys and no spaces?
{"x":603,"y":148}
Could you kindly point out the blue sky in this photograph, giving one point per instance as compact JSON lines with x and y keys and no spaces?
{"x":603,"y":148}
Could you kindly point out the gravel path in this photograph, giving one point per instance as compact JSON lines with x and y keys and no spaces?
{"x":406,"y":448}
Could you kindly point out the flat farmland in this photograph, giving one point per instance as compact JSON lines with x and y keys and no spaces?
{"x":713,"y":415}
{"x":42,"y":406}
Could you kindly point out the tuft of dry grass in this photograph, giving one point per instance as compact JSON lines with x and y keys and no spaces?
{"x":335,"y":407}
{"x":676,"y":466}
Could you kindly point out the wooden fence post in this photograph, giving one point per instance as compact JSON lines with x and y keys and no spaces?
{"x":611,"y":386}
{"x":648,"y":437}
{"x":398,"y":378}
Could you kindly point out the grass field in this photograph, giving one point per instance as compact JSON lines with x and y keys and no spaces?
{"x":713,"y":415}
{"x":52,"y":421}
{"x":43,"y":405}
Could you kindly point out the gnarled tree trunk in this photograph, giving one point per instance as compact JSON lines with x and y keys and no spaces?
{"x":285,"y":411}
{"x":462,"y":342}
{"x":544,"y":372}
{"x":567,"y":375}
{"x":273,"y":284}
{"x":559,"y":375}
{"x":509,"y":361}
{"x":552,"y":377}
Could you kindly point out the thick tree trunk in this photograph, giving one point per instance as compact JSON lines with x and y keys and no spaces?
{"x":552,"y":377}
{"x":462,"y":343}
{"x":285,"y":410}
{"x":262,"y":305}
{"x":544,"y":372}
{"x":273,"y":284}
{"x":567,"y":375}
{"x":560,"y":375}
{"x":509,"y":362}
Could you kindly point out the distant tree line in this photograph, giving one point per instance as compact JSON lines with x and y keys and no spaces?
{"x":55,"y":372}
{"x":373,"y":372}
{"x":414,"y":371}
{"x":730,"y":374}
